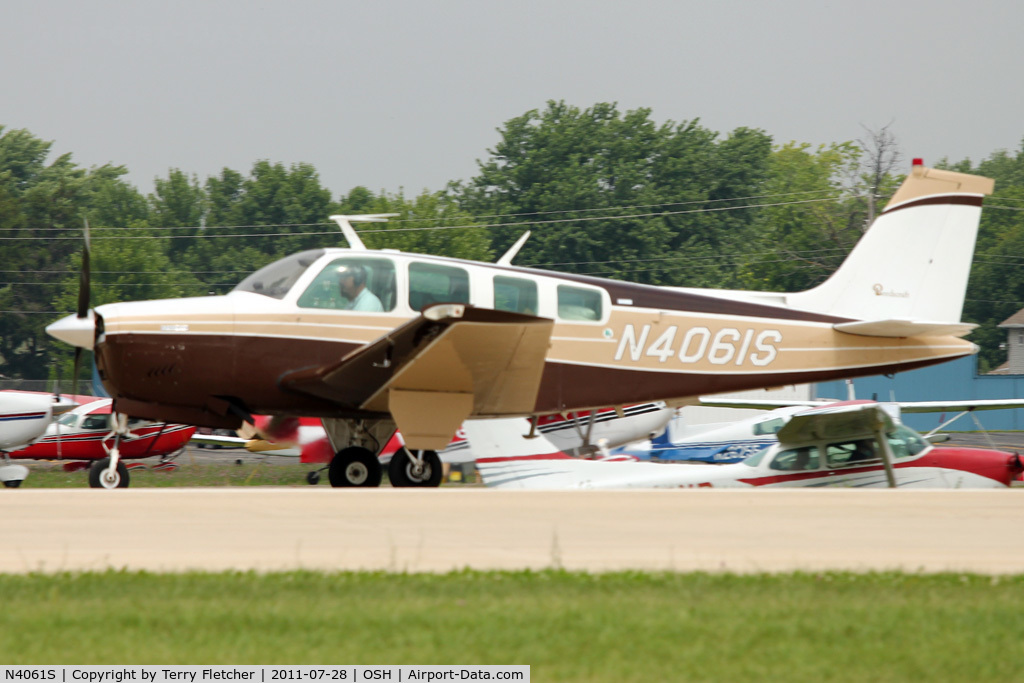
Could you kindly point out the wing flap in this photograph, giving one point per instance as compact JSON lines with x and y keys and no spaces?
{"x":466,"y":362}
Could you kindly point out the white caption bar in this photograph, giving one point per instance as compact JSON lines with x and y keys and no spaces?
{"x":262,"y":674}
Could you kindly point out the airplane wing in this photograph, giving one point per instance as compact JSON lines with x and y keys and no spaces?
{"x":848,"y":420}
{"x":217,"y":440}
{"x":904,"y":406}
{"x":759,"y":404}
{"x":436,"y":370}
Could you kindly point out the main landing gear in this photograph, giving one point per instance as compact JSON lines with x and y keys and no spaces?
{"x":357,"y":463}
{"x":416,"y":468}
{"x":355,"y":466}
{"x":12,"y":475}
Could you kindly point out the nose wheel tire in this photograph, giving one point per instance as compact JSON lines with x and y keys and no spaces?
{"x":405,"y":470}
{"x":355,"y":466}
{"x":102,"y":477}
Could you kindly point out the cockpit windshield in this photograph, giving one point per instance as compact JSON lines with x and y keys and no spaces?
{"x":276,"y":279}
{"x":905,"y":442}
{"x":755,"y":459}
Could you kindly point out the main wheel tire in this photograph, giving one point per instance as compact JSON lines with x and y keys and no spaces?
{"x":13,"y":483}
{"x":99,"y":480}
{"x":402,"y":470}
{"x":355,"y":466}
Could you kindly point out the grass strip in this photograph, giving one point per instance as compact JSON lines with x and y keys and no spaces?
{"x":568,"y":626}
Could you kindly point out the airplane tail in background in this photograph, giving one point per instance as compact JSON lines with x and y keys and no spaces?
{"x":908,"y":274}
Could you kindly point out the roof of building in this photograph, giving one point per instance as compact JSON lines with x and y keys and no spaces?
{"x":1015,"y":320}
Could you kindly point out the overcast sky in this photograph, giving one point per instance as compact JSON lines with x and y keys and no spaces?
{"x":410,"y":93}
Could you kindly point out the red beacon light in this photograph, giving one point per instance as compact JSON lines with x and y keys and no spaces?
{"x":918,"y":162}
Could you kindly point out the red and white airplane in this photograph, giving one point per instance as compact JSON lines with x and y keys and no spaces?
{"x":24,"y":417}
{"x":734,"y":441}
{"x":85,"y":434}
{"x":853,"y":444}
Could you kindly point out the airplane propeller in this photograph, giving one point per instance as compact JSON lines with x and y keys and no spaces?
{"x":84,"y":278}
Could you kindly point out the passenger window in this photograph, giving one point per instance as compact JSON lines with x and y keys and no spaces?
{"x":851,"y":453}
{"x":515,"y":294}
{"x":354,"y":284}
{"x":575,"y":303}
{"x":430,"y":283}
{"x":796,"y":460}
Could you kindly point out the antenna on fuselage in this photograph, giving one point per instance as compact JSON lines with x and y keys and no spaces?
{"x":506,"y":258}
{"x":345,"y":223}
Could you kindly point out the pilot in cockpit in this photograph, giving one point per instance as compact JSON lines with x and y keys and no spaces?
{"x":352,"y":283}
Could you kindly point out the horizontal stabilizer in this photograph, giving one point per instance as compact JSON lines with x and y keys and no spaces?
{"x":904,"y":328}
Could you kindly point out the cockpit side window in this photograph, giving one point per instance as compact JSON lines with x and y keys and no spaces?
{"x":432,"y":283}
{"x":576,"y":303}
{"x":515,"y":294}
{"x":852,"y":453}
{"x":276,"y":279}
{"x":353,"y":284}
{"x":96,"y":422}
{"x":796,"y":460}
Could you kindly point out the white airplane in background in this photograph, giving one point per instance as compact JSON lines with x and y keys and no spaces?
{"x":853,"y":444}
{"x":728,"y":442}
{"x":24,"y":417}
{"x":370,"y":340}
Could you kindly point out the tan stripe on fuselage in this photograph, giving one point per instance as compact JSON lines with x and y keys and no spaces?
{"x":631,"y":339}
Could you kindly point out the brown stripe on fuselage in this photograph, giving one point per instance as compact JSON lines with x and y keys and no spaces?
{"x":571,"y":387}
{"x":186,"y":370}
{"x":960,"y":199}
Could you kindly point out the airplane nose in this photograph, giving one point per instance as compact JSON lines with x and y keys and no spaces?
{"x":71,"y":329}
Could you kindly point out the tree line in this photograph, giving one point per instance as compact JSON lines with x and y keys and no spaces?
{"x":604,"y":192}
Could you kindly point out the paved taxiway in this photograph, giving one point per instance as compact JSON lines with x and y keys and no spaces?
{"x":445,"y":529}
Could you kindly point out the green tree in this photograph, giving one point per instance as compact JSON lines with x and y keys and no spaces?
{"x":812,"y":221}
{"x":617,"y":194}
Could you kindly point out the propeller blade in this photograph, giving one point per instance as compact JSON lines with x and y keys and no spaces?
{"x":83,"y":280}
{"x":78,"y":362}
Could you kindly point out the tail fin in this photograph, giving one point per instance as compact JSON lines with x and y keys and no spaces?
{"x":912,"y":265}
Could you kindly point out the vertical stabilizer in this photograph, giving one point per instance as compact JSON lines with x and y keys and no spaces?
{"x":913,"y":263}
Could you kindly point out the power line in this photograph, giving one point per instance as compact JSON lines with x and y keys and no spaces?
{"x":521,"y":224}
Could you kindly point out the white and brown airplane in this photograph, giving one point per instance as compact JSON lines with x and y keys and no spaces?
{"x":370,"y":339}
